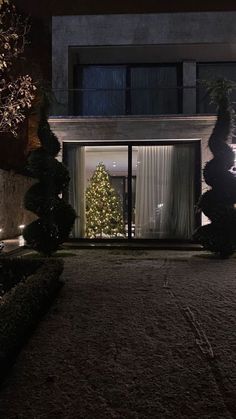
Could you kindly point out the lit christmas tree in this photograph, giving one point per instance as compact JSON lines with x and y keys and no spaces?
{"x":103,"y":207}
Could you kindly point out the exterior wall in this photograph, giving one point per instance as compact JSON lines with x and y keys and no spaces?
{"x":189,"y":82}
{"x":12,"y":212}
{"x":187,"y":36}
{"x":108,"y":130}
{"x":128,"y":129}
{"x":144,"y":29}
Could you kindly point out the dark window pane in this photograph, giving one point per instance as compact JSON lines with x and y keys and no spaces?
{"x":107,"y":94}
{"x":118,"y":90}
{"x":154,"y":90}
{"x":213,"y":72}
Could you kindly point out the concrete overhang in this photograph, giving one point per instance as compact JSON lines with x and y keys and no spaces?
{"x":135,"y":128}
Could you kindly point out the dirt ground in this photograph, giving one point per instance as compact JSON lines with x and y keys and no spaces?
{"x":133,"y":334}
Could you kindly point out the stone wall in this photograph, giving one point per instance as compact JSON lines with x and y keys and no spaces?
{"x":12,"y":212}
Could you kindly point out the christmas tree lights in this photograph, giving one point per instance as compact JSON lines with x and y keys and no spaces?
{"x":104,"y":216}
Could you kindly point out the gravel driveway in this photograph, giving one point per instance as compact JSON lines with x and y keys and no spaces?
{"x":133,"y":334}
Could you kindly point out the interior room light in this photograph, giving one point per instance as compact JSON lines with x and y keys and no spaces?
{"x":21,"y":228}
{"x":234,"y":156}
{"x":21,"y":241}
{"x":233,"y":168}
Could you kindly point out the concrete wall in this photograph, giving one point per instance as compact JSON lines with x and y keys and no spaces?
{"x":207,"y":30}
{"x":108,"y":130}
{"x":168,"y":37}
{"x":131,"y":129}
{"x":186,"y":38}
{"x":164,"y":28}
{"x":12,"y":212}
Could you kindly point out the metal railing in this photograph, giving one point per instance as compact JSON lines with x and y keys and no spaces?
{"x":161,"y":100}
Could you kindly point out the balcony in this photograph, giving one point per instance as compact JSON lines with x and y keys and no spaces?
{"x":100,"y":102}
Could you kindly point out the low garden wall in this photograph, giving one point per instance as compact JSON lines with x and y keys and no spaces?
{"x":12,"y":213}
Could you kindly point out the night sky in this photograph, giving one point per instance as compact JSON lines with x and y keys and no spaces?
{"x":67,"y":7}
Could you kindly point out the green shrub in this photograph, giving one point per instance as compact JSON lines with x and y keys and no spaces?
{"x":218,"y":203}
{"x":25,"y":303}
{"x":56,"y":217}
{"x":13,"y":271}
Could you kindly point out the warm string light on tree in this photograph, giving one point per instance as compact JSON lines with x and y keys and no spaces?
{"x":16,"y":92}
{"x":104,"y":215}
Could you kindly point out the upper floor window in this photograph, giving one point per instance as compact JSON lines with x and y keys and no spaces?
{"x":106,"y":90}
{"x":213,"y":71}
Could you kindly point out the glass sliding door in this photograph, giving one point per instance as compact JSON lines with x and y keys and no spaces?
{"x":98,"y":190}
{"x":74,"y":157}
{"x":164,"y":195}
{"x":106,"y":170}
{"x":135,"y":192}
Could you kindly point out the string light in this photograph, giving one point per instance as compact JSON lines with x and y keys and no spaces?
{"x":103,"y":206}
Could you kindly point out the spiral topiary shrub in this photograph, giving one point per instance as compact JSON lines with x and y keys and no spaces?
{"x":218,"y":203}
{"x":55,"y":216}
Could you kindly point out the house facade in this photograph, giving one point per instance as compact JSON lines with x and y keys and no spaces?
{"x":129,"y":95}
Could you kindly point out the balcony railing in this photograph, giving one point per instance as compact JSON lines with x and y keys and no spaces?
{"x":162,"y":100}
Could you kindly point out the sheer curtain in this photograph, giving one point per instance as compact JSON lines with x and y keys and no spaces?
{"x":76,"y":167}
{"x":164,"y":192}
{"x":179,"y":218}
{"x":152,"y":188}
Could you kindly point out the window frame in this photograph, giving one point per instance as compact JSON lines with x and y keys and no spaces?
{"x":130,"y":145}
{"x":206,"y":63}
{"x":78,"y":80}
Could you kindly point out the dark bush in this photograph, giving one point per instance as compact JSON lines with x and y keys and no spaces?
{"x":43,"y":235}
{"x":56,"y":217}
{"x":218,"y":203}
{"x":13,"y":271}
{"x":25,"y":303}
{"x":37,"y":199}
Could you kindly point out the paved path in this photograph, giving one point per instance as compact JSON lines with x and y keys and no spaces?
{"x":133,"y":334}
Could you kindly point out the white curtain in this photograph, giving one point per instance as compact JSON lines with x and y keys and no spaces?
{"x":152,"y":187}
{"x":179,"y":217}
{"x":76,"y":167}
{"x":164,"y":192}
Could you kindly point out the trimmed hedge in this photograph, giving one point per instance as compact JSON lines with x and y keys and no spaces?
{"x":15,"y":270}
{"x":22,"y":307}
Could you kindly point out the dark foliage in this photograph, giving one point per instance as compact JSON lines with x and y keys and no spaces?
{"x":22,"y":307}
{"x":13,"y":271}
{"x":56,"y":217}
{"x":218,"y":203}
